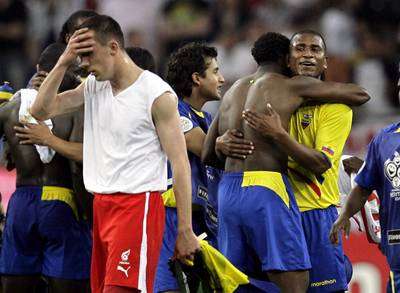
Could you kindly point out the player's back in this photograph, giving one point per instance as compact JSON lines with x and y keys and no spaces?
{"x":27,"y":162}
{"x":30,"y":169}
{"x":255,"y":92}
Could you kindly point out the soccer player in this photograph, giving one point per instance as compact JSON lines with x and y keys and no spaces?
{"x":131,"y":125}
{"x":40,"y":134}
{"x":193,"y":73}
{"x":317,"y":137}
{"x":380,"y":172}
{"x":44,"y":235}
{"x":68,"y":28}
{"x":260,"y":227}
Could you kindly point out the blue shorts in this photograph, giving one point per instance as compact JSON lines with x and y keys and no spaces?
{"x":328,"y":262}
{"x":43,"y":236}
{"x":394,"y":282}
{"x":259,"y":223}
{"x":165,"y":280}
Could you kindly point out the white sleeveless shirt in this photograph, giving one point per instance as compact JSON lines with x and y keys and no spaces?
{"x":121,"y":148}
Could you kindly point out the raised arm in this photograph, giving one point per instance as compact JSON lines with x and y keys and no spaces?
{"x":49,"y":102}
{"x":328,"y":92}
{"x":166,"y":120}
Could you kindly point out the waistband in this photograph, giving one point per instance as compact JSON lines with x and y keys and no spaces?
{"x":49,"y":193}
{"x":275,"y":181}
{"x":245,"y":174}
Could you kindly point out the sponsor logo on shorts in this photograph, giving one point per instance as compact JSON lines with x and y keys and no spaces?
{"x":393,"y":237}
{"x":323,"y":283}
{"x":212,"y":214}
{"x":202,"y":193}
{"x":124,"y":264}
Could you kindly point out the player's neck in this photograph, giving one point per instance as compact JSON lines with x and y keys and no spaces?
{"x":196,"y":101}
{"x":126,"y":73}
{"x":269,"y":67}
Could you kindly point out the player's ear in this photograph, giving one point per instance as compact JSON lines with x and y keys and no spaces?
{"x":325,"y":65}
{"x":113,"y":47}
{"x":196,"y":78}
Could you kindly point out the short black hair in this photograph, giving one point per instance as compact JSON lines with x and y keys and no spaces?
{"x":50,"y":55}
{"x":48,"y":59}
{"x":270,"y":48}
{"x":184,"y":62}
{"x":309,"y":32}
{"x":71,"y":23}
{"x":105,"y":28}
{"x":142,"y":57}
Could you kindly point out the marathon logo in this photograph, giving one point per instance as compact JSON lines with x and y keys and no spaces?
{"x":323,"y":283}
{"x":393,"y":237}
{"x":202,"y":193}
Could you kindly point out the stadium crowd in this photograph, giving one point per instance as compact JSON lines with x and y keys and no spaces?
{"x":125,"y":183}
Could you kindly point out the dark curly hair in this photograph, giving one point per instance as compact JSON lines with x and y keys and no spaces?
{"x":142,"y":58}
{"x":184,"y":62}
{"x":71,"y":23}
{"x":270,"y":47}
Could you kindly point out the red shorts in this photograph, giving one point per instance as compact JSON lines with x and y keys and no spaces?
{"x":127,"y":237}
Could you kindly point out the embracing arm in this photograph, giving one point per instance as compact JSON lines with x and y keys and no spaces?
{"x":269,"y":125}
{"x":328,"y":92}
{"x":166,"y":120}
{"x":40,"y":134}
{"x":308,"y":158}
{"x":208,"y":154}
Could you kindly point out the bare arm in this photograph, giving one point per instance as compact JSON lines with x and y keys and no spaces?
{"x":41,"y":135}
{"x":48,"y":102}
{"x":208,"y":154}
{"x":269,"y":125}
{"x":328,"y":92}
{"x":195,"y":140}
{"x":166,"y":120}
{"x":355,"y":202}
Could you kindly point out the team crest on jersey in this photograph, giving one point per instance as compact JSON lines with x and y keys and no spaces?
{"x":186,"y":124}
{"x":306,"y":120}
{"x":392,"y":173}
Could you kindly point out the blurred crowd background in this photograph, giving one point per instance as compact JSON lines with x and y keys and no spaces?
{"x":362,"y":36}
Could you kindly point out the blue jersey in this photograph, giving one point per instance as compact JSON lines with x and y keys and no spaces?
{"x":381,"y":172}
{"x":205,"y":179}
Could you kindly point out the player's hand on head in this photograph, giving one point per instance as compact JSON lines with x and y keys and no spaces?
{"x":232,"y":144}
{"x":81,"y":43}
{"x":352,"y":165}
{"x":38,"y":79}
{"x":341,"y":224}
{"x":34,"y":134}
{"x":186,"y":245}
{"x":267,"y":124}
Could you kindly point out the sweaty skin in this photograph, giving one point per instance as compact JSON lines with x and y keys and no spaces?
{"x":30,"y":169}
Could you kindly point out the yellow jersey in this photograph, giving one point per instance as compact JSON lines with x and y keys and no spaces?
{"x":324,"y":128}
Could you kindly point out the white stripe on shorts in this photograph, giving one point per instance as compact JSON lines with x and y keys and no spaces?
{"x":143,"y":249}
